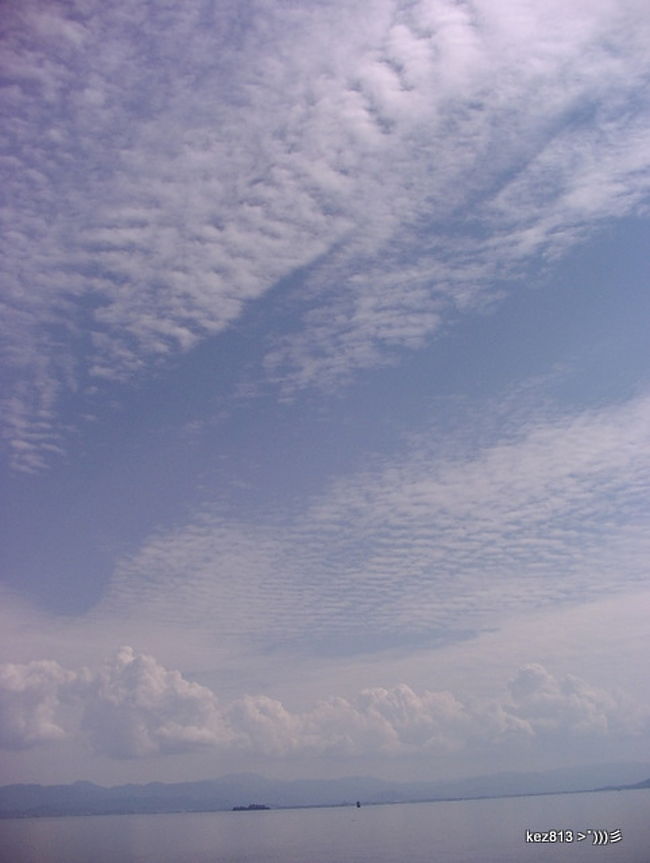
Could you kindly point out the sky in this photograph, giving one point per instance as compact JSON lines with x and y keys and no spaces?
{"x":326,"y":393}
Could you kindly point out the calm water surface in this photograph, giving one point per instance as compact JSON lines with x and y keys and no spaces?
{"x":486,"y":831}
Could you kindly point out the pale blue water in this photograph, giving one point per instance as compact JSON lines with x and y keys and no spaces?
{"x":476,"y":831}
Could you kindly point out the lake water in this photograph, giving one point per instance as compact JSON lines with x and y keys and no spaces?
{"x":469,"y":831}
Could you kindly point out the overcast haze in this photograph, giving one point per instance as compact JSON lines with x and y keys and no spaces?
{"x":326,"y":406}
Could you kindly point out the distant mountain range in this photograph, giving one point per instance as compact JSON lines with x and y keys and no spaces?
{"x":242,"y":790}
{"x":638,"y":786}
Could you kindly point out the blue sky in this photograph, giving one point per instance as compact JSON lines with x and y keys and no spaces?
{"x":326,"y":387}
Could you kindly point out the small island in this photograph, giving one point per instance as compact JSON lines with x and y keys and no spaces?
{"x":252,"y":807}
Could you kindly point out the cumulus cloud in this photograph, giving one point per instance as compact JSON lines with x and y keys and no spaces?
{"x":396,"y":720}
{"x":389,"y":721}
{"x":265,"y":725}
{"x":30,"y":696}
{"x":549,"y":704}
{"x":134,"y":707}
{"x":152,"y":206}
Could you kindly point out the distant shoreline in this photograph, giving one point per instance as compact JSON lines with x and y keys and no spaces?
{"x":198,"y":810}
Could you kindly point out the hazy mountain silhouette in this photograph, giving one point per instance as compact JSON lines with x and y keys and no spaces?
{"x":87,"y":798}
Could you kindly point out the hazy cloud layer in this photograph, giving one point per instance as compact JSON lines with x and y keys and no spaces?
{"x":135,"y":707}
{"x":167,"y":166}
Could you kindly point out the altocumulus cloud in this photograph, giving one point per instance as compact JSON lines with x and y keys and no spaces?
{"x":431,"y":540}
{"x":133,"y":707}
{"x":152,"y":205}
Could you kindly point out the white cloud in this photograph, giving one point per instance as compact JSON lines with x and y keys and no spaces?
{"x":134,"y":707}
{"x":30,"y":696}
{"x":265,"y":725}
{"x":388,"y":721}
{"x":130,"y":707}
{"x":434,"y":721}
{"x":561,"y":705}
{"x":448,"y":538}
{"x":166,"y":169}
